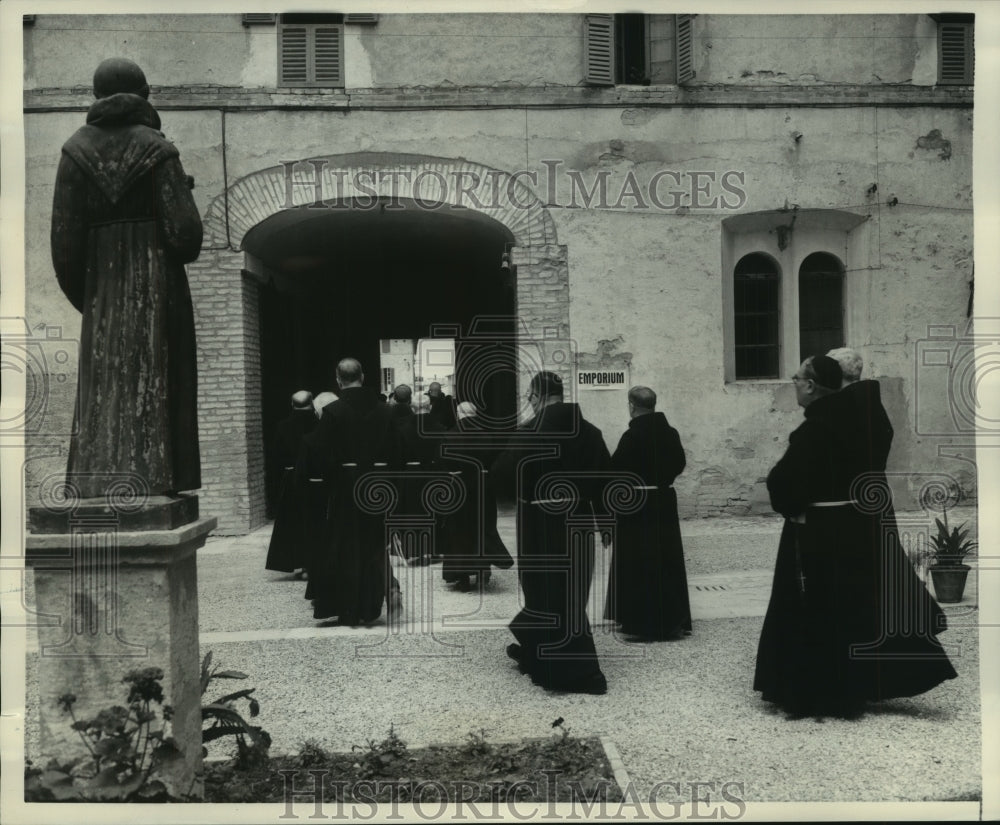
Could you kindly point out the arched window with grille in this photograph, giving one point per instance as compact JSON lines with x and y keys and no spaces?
{"x":821,"y":304}
{"x":757,"y":316}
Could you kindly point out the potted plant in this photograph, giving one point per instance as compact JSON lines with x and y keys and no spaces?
{"x":947,"y":555}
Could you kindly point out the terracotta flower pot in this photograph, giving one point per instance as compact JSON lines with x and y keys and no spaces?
{"x":949,"y":582}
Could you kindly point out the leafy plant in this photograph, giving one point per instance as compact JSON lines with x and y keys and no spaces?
{"x":477,"y":744}
{"x":252,"y":741}
{"x":124,"y":746}
{"x":378,"y":756}
{"x":950,"y":546}
{"x":311,"y":754}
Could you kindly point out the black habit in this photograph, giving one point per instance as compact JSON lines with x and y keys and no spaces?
{"x":849,"y":620}
{"x":647,"y":589}
{"x":553,"y":631}
{"x":287,"y":550}
{"x":470,"y":541}
{"x":124,"y":223}
{"x":354,"y":435}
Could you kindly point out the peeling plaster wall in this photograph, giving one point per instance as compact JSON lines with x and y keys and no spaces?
{"x":645,"y":284}
{"x":786,"y":49}
{"x":456,"y":50}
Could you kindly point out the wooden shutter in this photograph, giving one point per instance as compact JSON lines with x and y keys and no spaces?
{"x":310,"y":54}
{"x":328,"y":56}
{"x":361,"y":19}
{"x":955,"y":53}
{"x":599,"y":49}
{"x":684,"y":50}
{"x":293,"y":56}
{"x":259,"y":19}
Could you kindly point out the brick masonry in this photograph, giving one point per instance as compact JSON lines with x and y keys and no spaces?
{"x":227,"y":313}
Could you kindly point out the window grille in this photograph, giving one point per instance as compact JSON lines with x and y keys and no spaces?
{"x":821,"y":305}
{"x":757,"y":314}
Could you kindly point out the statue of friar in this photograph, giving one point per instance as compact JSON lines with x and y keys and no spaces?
{"x":124,"y":223}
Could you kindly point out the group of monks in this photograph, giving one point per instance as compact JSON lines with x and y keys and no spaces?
{"x":834,"y":636}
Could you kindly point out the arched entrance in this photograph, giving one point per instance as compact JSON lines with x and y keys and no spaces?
{"x":310,"y":262}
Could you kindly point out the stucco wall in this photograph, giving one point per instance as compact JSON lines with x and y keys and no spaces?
{"x":645,"y":284}
{"x":455,"y":50}
{"x":796,"y":49}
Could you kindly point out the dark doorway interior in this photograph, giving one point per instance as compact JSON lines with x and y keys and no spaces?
{"x":344,"y":277}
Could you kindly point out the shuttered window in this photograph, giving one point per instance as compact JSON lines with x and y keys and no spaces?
{"x":620,"y":48}
{"x":684,"y":49}
{"x":599,"y":48}
{"x":311,"y":54}
{"x":955,"y":53}
{"x":259,"y":19}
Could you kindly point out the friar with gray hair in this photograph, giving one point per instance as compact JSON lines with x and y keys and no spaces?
{"x":647,"y":588}
{"x":866,"y":398}
{"x":124,"y":223}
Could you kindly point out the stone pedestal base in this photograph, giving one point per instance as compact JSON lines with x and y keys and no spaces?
{"x":153,"y":513}
{"x":110,"y":601}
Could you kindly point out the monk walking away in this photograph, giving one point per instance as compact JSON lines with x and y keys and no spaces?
{"x":124,"y":223}
{"x":562,"y":452}
{"x":287,"y":549}
{"x":647,"y":589}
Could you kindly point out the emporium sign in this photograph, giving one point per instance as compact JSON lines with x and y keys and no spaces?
{"x":614,"y":378}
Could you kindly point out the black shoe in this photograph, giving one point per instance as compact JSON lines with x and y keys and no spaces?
{"x":463,"y":584}
{"x":514,"y":651}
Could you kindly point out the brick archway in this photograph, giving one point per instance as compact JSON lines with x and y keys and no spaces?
{"x":423,"y":179}
{"x":226,"y":295}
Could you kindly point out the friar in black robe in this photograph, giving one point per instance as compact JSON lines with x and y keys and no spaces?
{"x":124,"y":223}
{"x":355,"y":436}
{"x":848,"y":620}
{"x":470,"y":541}
{"x":287,"y":550}
{"x":443,"y":407}
{"x":552,"y":468}
{"x":416,"y":462}
{"x":647,"y":588}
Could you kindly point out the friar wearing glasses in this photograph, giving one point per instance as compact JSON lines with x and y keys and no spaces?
{"x":848,"y":620}
{"x":548,"y":471}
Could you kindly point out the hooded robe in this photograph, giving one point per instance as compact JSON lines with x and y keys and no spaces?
{"x":557,"y":646}
{"x":124,"y":223}
{"x":287,"y":550}
{"x":849,"y":620}
{"x":350,"y":576}
{"x":647,"y":589}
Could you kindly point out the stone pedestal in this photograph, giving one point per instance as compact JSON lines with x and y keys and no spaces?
{"x":112,"y":600}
